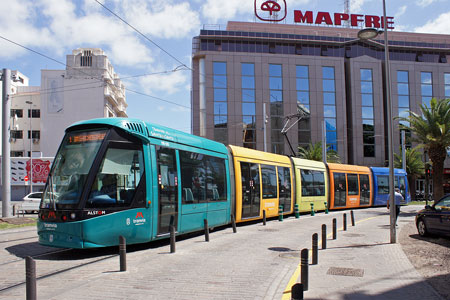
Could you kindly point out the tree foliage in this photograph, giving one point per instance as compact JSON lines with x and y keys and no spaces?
{"x":431,"y":130}
{"x":314,"y":152}
{"x":414,"y":166}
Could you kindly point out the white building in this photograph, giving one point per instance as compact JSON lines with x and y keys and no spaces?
{"x":88,"y":88}
{"x":20,"y":80}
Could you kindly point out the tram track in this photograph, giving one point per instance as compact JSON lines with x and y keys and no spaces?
{"x":16,"y":240}
{"x":49,"y":261}
{"x":49,"y":273}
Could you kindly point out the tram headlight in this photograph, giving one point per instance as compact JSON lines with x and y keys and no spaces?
{"x":73,"y":216}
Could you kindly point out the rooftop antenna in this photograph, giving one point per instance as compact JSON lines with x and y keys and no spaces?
{"x":347,"y":11}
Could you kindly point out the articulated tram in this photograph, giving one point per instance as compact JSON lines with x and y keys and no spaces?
{"x":113,"y":177}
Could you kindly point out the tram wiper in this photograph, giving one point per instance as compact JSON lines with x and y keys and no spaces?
{"x":52,"y":193}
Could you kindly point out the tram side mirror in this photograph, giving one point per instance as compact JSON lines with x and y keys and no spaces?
{"x":428,"y":207}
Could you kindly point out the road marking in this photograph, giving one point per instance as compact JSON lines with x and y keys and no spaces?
{"x":296,"y":275}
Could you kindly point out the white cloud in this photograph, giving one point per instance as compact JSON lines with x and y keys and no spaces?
{"x":439,"y":25}
{"x":356,"y":5}
{"x":423,"y":3}
{"x":401,"y":11}
{"x":215,"y":10}
{"x":58,"y":26}
{"x":15,"y":27}
{"x":169,"y":83}
{"x":162,"y":19}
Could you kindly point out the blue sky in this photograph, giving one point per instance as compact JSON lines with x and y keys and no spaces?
{"x":56,"y":27}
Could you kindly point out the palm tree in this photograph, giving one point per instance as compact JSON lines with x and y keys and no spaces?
{"x":432,"y":131}
{"x":414,"y":167}
{"x":314,"y":152}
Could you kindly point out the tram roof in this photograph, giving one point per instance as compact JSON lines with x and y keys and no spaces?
{"x":258,"y":155}
{"x":384,"y":170}
{"x":333,"y":167}
{"x":147,"y":131}
{"x":306,"y":163}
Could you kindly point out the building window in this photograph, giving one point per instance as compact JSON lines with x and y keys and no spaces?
{"x":248,"y":105}
{"x":34,"y":113}
{"x":36,"y":134}
{"x":426,"y":87}
{"x":17,"y":154}
{"x":447,"y":85}
{"x":302,"y":86}
{"x":276,"y":108}
{"x":403,"y":102}
{"x":17,"y":134}
{"x":17,"y":112}
{"x":86,"y":58}
{"x":367,"y":112}
{"x":329,"y":106}
{"x":220,"y":102}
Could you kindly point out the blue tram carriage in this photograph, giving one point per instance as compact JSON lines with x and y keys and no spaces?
{"x":381,"y":185}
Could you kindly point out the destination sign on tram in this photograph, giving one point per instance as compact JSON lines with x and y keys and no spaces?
{"x":87,"y":137}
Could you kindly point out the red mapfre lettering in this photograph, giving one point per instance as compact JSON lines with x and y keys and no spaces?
{"x":338,"y":18}
{"x":355,"y":19}
{"x":323,"y":17}
{"x":300,"y":18}
{"x":372,"y":21}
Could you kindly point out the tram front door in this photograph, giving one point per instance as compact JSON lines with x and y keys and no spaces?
{"x":167,"y":189}
{"x":250,"y":190}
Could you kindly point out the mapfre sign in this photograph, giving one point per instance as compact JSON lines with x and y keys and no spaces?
{"x":337,"y":19}
{"x":276,"y":11}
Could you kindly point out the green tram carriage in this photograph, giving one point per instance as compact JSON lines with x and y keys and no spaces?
{"x":115,"y":176}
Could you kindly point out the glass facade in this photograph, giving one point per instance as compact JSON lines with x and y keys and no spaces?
{"x":248,"y":105}
{"x":226,"y":41}
{"x":403,"y":102}
{"x":220,"y":102}
{"x":302,"y":87}
{"x":329,"y":106}
{"x":368,"y":119}
{"x":426,"y":85}
{"x":276,"y":108}
{"x":447,"y":85}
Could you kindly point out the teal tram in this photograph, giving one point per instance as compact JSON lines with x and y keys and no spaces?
{"x":113,"y":177}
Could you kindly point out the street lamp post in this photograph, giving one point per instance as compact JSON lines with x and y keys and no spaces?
{"x":370,"y":33}
{"x":31,"y":149}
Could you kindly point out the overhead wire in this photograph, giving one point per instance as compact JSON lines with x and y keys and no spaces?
{"x":154,"y":43}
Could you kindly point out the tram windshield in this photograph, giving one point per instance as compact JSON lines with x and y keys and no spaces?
{"x":71,"y":167}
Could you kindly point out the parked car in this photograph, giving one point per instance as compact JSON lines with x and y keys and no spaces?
{"x":31,"y":202}
{"x":435,"y":219}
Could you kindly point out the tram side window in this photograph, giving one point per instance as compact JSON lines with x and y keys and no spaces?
{"x":117,"y":179}
{"x":399,"y":182}
{"x":216,"y":184}
{"x":383,"y":185}
{"x":340,"y":189}
{"x":193,"y":177}
{"x":353,"y":187}
{"x":319,"y":183}
{"x":203,"y":178}
{"x":364,"y":189}
{"x":269,"y":181}
{"x":313,"y":183}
